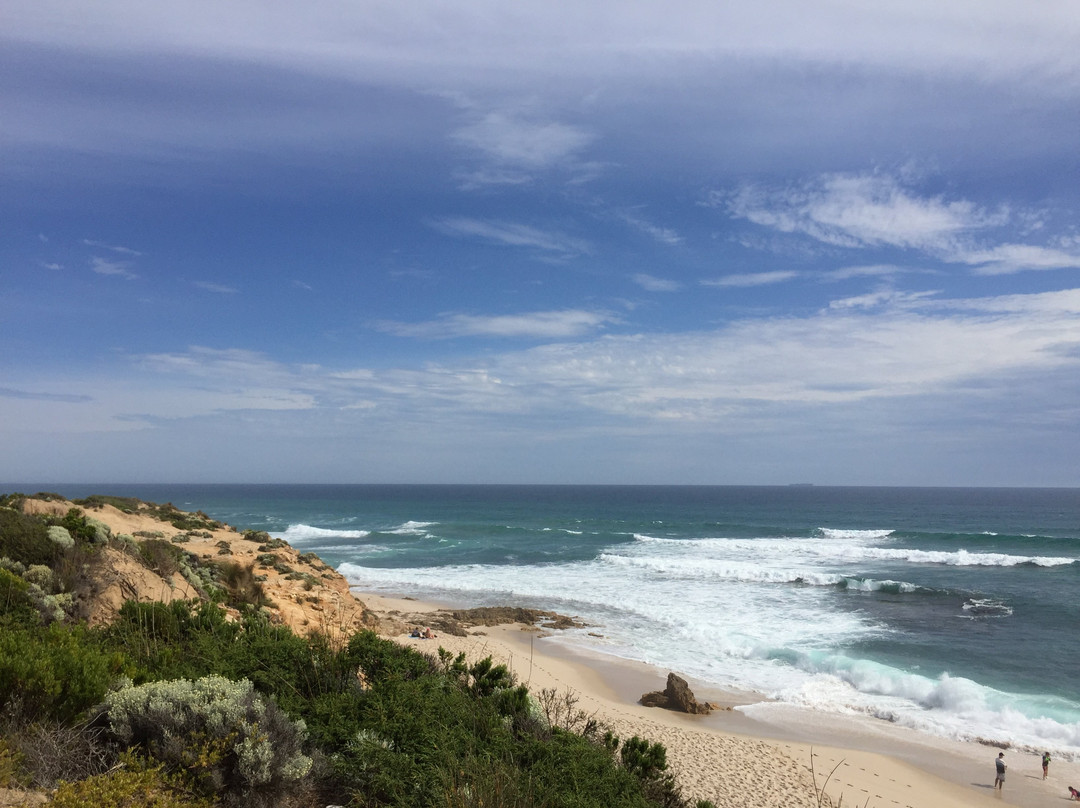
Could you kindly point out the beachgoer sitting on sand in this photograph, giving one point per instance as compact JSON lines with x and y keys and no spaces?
{"x":429,"y":634}
{"x":1073,"y":793}
{"x":415,"y":632}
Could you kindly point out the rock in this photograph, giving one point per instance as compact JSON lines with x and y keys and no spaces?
{"x":654,"y":699}
{"x":676,"y":696}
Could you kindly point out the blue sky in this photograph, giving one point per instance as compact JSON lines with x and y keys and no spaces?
{"x":588,"y":242}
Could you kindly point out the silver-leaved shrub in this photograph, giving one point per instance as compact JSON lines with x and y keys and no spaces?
{"x":240,"y":747}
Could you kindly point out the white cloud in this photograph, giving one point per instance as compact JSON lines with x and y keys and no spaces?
{"x":513,"y":234}
{"x":52,"y":266}
{"x":113,"y":247}
{"x":539,"y":325}
{"x":651,"y":283}
{"x":233,"y":364}
{"x":665,"y":235}
{"x":217,"y":288}
{"x":868,"y":271}
{"x":882,"y":297}
{"x":510,"y":140}
{"x":424,"y":43}
{"x":885,"y":348}
{"x":103,"y":266}
{"x":1009,"y":258}
{"x":862,"y":210}
{"x":752,"y":279}
{"x":28,"y":395}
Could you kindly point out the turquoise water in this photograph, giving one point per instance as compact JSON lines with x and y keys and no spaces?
{"x":952,"y":611}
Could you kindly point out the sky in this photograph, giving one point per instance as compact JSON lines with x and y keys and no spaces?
{"x":830,"y":242}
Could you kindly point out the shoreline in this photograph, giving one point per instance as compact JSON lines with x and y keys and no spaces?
{"x":757,"y":753}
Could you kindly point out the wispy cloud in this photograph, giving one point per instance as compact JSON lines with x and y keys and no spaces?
{"x":651,"y":283}
{"x":752,"y":278}
{"x":103,"y":266}
{"x":882,"y":297}
{"x":66,"y":398}
{"x":515,"y":147}
{"x":862,"y":210}
{"x":665,"y":235}
{"x":1009,"y":258}
{"x":113,"y":247}
{"x":217,"y":288}
{"x":538,"y":325}
{"x":877,"y":210}
{"x":884,"y":347}
{"x":867,"y":271}
{"x":52,"y":265}
{"x":512,"y":234}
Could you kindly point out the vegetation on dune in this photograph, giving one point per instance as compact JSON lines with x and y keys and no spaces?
{"x":180,"y":706}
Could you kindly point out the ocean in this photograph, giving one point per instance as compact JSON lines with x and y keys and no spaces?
{"x":954,"y":612}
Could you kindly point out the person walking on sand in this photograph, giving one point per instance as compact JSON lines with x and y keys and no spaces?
{"x":1046,"y":764}
{"x":999,"y":781}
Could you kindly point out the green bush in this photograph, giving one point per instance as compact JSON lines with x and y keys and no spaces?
{"x":55,"y":673}
{"x":235,"y":744}
{"x":26,"y":539}
{"x":16,"y":607}
{"x":10,"y":764}
{"x":161,"y":556}
{"x":134,"y":786}
{"x":84,"y":529}
{"x":95,"y":501}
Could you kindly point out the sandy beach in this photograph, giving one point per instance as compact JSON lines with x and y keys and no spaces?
{"x":759,"y":758}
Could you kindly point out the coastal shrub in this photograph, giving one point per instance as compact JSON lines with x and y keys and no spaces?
{"x":648,"y":763}
{"x":14,"y":500}
{"x":25,"y":539}
{"x":10,"y":764}
{"x":238,"y":580}
{"x":161,"y":557}
{"x":96,"y":501}
{"x":60,"y":536}
{"x":381,"y":659}
{"x":136,"y":785}
{"x":51,"y":752}
{"x":16,"y":607}
{"x":82,"y":528}
{"x":181,"y":639}
{"x":39,"y":574}
{"x":234,"y":743}
{"x":51,"y":608}
{"x":55,"y":673}
{"x":182,"y":520}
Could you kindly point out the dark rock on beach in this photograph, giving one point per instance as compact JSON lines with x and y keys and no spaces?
{"x":676,"y":696}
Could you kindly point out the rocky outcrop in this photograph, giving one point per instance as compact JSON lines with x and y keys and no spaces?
{"x":676,"y":696}
{"x":135,"y":563}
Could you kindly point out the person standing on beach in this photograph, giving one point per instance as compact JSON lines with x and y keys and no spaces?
{"x":999,"y":781}
{"x":1046,"y":763}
